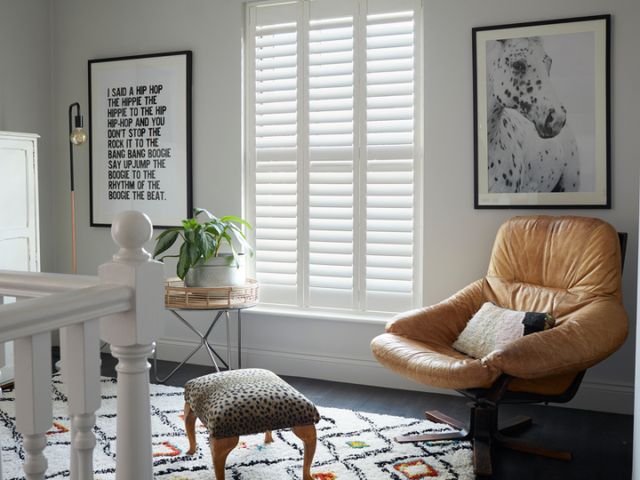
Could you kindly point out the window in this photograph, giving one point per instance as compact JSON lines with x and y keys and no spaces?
{"x":333,"y":132}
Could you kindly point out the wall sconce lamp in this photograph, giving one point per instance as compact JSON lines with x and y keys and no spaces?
{"x":77,"y":136}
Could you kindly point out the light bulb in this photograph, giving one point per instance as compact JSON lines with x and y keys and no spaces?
{"x":78,"y":136}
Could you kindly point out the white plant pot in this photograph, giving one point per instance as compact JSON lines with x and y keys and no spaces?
{"x":220,"y":271}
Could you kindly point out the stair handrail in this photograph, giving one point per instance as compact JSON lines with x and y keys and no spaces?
{"x":40,"y":284}
{"x":122,"y":306}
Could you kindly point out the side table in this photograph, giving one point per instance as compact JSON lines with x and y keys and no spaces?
{"x":222,"y":300}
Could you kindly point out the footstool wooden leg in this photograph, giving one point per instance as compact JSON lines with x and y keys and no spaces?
{"x":268,"y":437}
{"x":190,"y":427}
{"x":307,"y":434}
{"x":220,"y":449}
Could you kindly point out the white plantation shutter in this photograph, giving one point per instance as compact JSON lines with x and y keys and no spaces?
{"x":276,"y":152}
{"x":331,"y":154}
{"x":334,"y":153}
{"x":390,"y":161}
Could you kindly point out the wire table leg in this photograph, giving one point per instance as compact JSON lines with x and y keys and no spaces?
{"x":204,"y":342}
{"x":228,"y":340}
{"x":188,"y":357}
{"x":239,"y":340}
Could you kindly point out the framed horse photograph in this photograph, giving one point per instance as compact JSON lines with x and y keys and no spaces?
{"x":541,"y":114}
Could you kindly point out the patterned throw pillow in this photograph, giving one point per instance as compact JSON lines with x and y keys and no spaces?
{"x":492,"y":327}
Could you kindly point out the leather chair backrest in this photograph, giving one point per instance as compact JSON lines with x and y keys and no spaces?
{"x":547,"y":263}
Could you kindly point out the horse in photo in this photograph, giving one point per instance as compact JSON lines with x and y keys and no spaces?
{"x":531,"y":147}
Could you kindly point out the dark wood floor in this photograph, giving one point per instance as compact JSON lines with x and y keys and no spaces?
{"x":601,"y":442}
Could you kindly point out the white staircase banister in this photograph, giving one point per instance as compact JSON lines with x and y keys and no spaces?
{"x":26,"y":318}
{"x":122,"y":305}
{"x":36,"y":284}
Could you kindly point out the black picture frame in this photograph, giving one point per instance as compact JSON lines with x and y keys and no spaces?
{"x":140,"y":137}
{"x":525,"y":153}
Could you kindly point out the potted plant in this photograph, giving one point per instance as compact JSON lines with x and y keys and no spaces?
{"x":200,"y":260}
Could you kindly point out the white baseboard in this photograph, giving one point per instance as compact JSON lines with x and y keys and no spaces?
{"x":592,"y":395}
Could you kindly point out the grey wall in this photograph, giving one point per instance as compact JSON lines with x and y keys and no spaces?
{"x":457,"y":238}
{"x":25,"y":93}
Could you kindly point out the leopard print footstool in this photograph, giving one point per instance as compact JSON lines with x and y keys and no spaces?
{"x":245,"y":402}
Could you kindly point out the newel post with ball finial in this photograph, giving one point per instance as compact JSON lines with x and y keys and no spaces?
{"x":132,"y":335}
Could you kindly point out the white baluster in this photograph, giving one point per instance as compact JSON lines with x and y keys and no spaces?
{"x":80,"y":347}
{"x":6,"y":355}
{"x":2,"y":363}
{"x":32,"y":359}
{"x":131,"y":336}
{"x":134,"y":455}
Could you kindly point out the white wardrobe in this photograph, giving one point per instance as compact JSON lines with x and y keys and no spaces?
{"x":19,"y":233}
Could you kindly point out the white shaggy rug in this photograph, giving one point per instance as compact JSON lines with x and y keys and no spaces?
{"x":351,"y":445}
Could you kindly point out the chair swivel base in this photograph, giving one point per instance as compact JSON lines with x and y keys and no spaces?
{"x":484,"y":433}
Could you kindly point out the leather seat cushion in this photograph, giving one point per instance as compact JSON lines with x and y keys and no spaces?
{"x":431,"y":363}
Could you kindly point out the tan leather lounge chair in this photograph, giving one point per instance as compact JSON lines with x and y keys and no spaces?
{"x":567,"y":266}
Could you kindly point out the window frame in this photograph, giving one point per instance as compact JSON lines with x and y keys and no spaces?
{"x":360,"y":170}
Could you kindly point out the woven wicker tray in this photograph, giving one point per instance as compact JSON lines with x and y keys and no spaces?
{"x":176,"y":295}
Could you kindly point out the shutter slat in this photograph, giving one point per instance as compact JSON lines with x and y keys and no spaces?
{"x":331,"y":259}
{"x":274,"y":255}
{"x":390,"y":41}
{"x":276,"y":52}
{"x":331,"y":46}
{"x":375,"y":273}
{"x":331,"y":213}
{"x":389,"y":78}
{"x":392,"y":90}
{"x":331,"y":247}
{"x":276,"y":267}
{"x":331,"y":282}
{"x":389,"y":285}
{"x":381,"y":249}
{"x":388,"y":201}
{"x":390,"y":53}
{"x":333,"y":224}
{"x":331,"y":271}
{"x":276,"y":250}
{"x":395,"y":28}
{"x":275,"y":278}
{"x":389,"y":261}
{"x":331,"y":105}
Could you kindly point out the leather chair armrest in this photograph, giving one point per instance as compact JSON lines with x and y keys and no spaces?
{"x":580,"y":340}
{"x":440,"y":323}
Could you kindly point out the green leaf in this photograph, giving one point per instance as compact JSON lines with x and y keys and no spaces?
{"x":233,"y":218}
{"x":235,"y":255}
{"x":227,"y":237}
{"x":190,"y":236}
{"x":215,"y":230}
{"x":168,"y":231}
{"x":183,"y":262}
{"x":242,"y":240}
{"x":198,"y":211}
{"x":237,"y":230}
{"x":202,"y":244}
{"x":164,"y":241}
{"x":194,"y":253}
{"x":211,"y":242}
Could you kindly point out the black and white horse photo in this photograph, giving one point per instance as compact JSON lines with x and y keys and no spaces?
{"x":531,"y":147}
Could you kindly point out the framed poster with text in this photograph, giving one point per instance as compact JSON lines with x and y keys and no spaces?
{"x":140,"y":137}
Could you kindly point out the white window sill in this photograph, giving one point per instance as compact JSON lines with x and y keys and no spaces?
{"x":324,"y":315}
